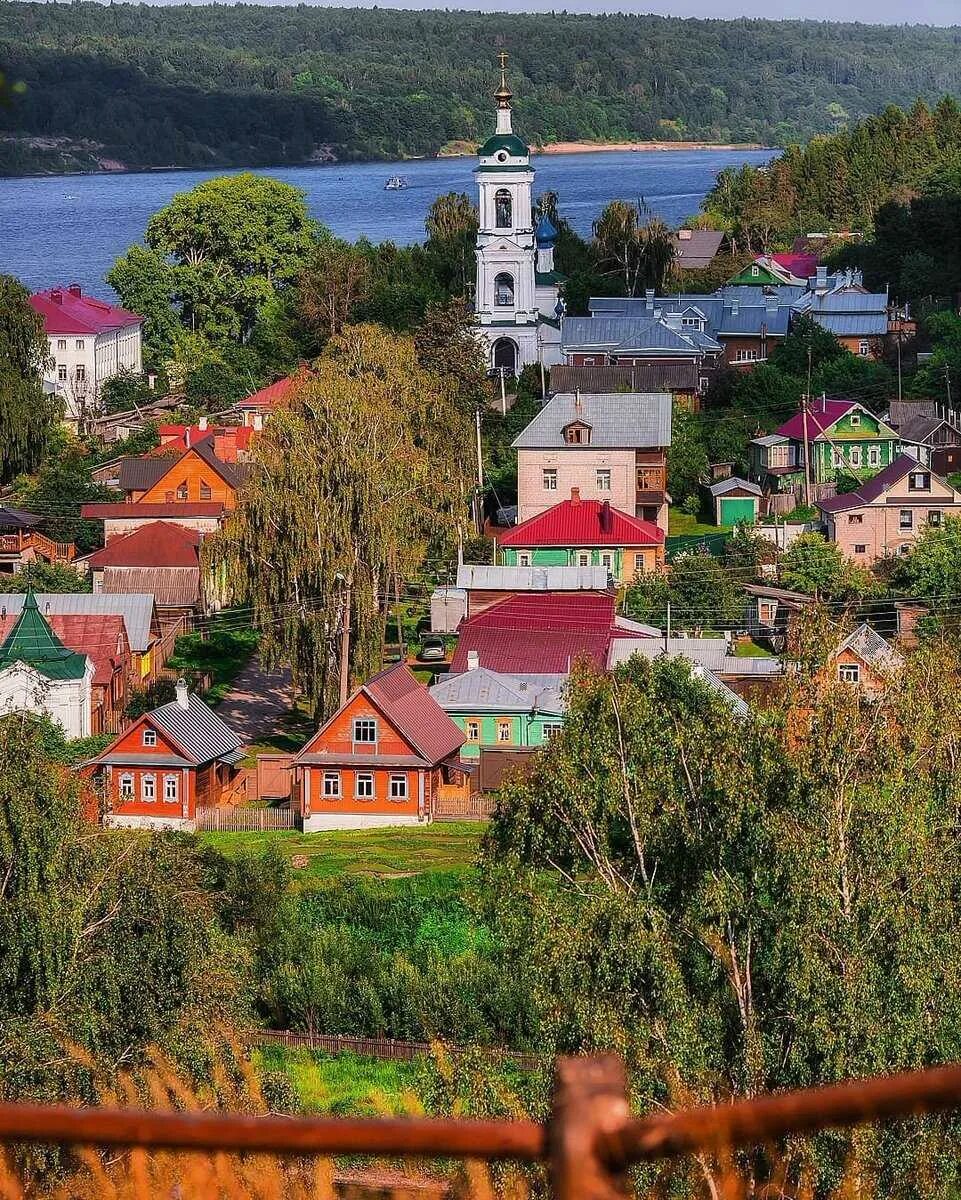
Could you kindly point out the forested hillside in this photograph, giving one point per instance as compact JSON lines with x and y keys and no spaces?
{"x":229,"y":85}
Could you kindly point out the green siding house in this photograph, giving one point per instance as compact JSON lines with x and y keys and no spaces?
{"x":502,"y":712}
{"x":842,"y":435}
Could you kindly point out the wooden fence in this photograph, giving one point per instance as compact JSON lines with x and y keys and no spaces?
{"x":387,"y":1048}
{"x":458,"y":806}
{"x":246,"y":819}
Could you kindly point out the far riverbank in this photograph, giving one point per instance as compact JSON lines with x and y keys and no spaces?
{"x":469,"y":150}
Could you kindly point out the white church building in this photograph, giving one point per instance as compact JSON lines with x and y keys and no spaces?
{"x":516,"y":301}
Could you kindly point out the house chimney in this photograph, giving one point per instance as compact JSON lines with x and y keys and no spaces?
{"x":577,"y":400}
{"x":821,"y":279}
{"x":605,"y":516}
{"x":575,"y":495}
{"x":735,"y":305}
{"x":202,"y":423}
{"x":473,"y":660}
{"x":649,"y":299}
{"x":183,"y":699}
{"x":770,"y":302}
{"x":75,"y":290}
{"x":56,"y":295}
{"x":152,"y":381}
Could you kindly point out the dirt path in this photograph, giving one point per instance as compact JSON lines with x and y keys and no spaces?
{"x":257,"y":703}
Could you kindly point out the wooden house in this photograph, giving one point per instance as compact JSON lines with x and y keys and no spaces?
{"x":384,"y":758}
{"x":169,"y":762}
{"x":865,"y":660}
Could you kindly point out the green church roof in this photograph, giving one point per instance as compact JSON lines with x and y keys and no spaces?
{"x":32,"y":641}
{"x":504,"y":141}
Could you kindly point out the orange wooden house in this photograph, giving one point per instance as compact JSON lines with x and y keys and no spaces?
{"x":169,"y":762}
{"x":381,"y":759}
{"x":195,"y":476}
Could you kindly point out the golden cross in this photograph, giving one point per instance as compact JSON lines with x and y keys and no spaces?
{"x":503,"y":60}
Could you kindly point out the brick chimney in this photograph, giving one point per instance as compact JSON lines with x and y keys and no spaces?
{"x":225,"y":444}
{"x":604,"y":517}
{"x":75,"y":290}
{"x":575,"y":496}
{"x":56,"y":295}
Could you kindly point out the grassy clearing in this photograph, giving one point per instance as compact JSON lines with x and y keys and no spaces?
{"x":345,"y":1084}
{"x":681,"y":524}
{"x":751,"y":650}
{"x":222,"y":654}
{"x":374,"y":853}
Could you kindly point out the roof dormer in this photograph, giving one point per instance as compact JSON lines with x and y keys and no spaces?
{"x":577,"y":433}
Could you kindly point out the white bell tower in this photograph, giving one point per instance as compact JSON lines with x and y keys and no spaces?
{"x":505,"y":300}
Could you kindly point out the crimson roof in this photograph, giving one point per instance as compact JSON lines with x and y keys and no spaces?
{"x":801,"y":265}
{"x":821,"y":416}
{"x":414,"y":713}
{"x":67,"y":310}
{"x":876,"y":486}
{"x":583,"y":523}
{"x":94,"y":634}
{"x":159,"y":544}
{"x":170,"y":512}
{"x":538,"y":634}
{"x":269,"y":396}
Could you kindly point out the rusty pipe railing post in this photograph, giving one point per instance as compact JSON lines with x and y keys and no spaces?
{"x":588,"y":1104}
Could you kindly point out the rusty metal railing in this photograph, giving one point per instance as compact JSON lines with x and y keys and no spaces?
{"x":588,"y":1142}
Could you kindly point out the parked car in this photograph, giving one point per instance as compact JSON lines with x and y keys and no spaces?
{"x":432,"y":649}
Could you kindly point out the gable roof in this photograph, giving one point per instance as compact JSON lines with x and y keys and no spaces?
{"x":157,"y":544}
{"x":695,"y":248}
{"x":67,"y":310}
{"x":871,"y":648}
{"x":17,"y":518}
{"x":33,"y":642}
{"x":649,"y":334}
{"x":713,"y":654}
{"x":481,"y":688}
{"x":624,"y":420}
{"x":875,"y":487}
{"x":733,"y":483}
{"x":414,"y":713}
{"x":822,"y":415}
{"x":272,"y":395}
{"x":139,"y":474}
{"x":198,"y":730}
{"x":577,"y":522}
{"x":136,"y":609}
{"x":99,"y":638}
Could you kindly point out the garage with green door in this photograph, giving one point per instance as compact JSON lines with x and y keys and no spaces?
{"x":736,"y":501}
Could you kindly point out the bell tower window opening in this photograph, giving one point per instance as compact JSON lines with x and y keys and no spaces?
{"x":503,"y":209}
{"x":504,"y":290}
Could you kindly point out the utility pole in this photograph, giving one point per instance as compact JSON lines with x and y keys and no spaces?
{"x":479,"y":493}
{"x":503,"y":394}
{"x":345,"y":646}
{"x":899,"y":365}
{"x":947,"y":384}
{"x":807,"y":445}
{"x":540,"y":348}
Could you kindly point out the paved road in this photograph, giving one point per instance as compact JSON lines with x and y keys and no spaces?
{"x":258,"y":701}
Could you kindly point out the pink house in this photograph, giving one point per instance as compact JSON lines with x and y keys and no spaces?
{"x":886,"y":514}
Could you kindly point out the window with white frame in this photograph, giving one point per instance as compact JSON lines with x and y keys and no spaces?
{"x":365,"y":730}
{"x":583,"y":558}
{"x":81,"y":372}
{"x":602,"y":479}
{"x":856,"y":518}
{"x":330,"y":785}
{"x":906,"y":519}
{"x":148,"y":788}
{"x":860,"y":548}
{"x":523,"y":558}
{"x":80,"y":343}
{"x":363,"y":786}
{"x":149,"y":737}
{"x":551,"y":729}
{"x":62,"y":372}
{"x":505,"y":731}
{"x":855,"y":420}
{"x":934,"y":516}
{"x":864,"y":348}
{"x":171,"y":789}
{"x":919,"y":481}
{"x":855,"y":453}
{"x":745,"y":356}
{"x":767,"y":611}
{"x":837,"y":458}
{"x":472,"y":729}
{"x":874,"y":456}
{"x":398,"y":787}
{"x":703,"y":384}
{"x":61,"y":343}
{"x":549,"y":479}
{"x":849,"y":672}
{"x":755,"y":270}
{"x":607,"y":559}
{"x":126,"y":786}
{"x":777,"y":456}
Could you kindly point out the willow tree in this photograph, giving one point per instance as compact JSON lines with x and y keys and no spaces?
{"x":352,"y":489}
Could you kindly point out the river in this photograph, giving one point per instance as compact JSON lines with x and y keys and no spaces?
{"x":71,"y":228}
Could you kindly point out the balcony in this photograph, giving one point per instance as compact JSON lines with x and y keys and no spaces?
{"x":16,"y":545}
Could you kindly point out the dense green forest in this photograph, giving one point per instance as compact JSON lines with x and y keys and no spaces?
{"x":229,"y":85}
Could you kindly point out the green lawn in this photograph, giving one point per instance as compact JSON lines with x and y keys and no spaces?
{"x":345,"y":1084}
{"x":751,"y":650}
{"x":221,"y":655}
{"x":377,"y":853}
{"x":680,"y":524}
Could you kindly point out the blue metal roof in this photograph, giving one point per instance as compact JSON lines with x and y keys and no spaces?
{"x":853,"y":324}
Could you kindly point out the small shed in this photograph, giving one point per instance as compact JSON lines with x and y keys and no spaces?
{"x":736,"y":501}
{"x":448,"y":607}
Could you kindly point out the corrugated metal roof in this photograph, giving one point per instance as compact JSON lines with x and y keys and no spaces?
{"x":197,"y":728}
{"x":159,"y":544}
{"x":643,"y":377}
{"x":732,"y":483}
{"x":624,"y":420}
{"x":416,"y":715}
{"x":577,"y":522}
{"x":136,"y":609}
{"x":145,"y":760}
{"x":171,"y":587}
{"x":140,"y":474}
{"x":624,"y":333}
{"x":481,"y":577}
{"x":710,"y":653}
{"x":695,"y":248}
{"x":153,"y":512}
{"x":853,"y":324}
{"x":873,"y":488}
{"x":480,"y":689}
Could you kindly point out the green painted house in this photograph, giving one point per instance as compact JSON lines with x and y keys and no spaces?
{"x":502,"y":712}
{"x":765,"y":271}
{"x":842,"y":435}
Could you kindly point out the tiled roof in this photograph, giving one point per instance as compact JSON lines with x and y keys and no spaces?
{"x":137,"y":610}
{"x":871,"y":648}
{"x":624,"y":420}
{"x":480,"y":688}
{"x":153,"y":512}
{"x":874,"y":488}
{"x":577,"y":522}
{"x":483,"y":577}
{"x":67,"y":310}
{"x":409,"y":706}
{"x":197,"y":729}
{"x":821,"y":416}
{"x":159,"y":544}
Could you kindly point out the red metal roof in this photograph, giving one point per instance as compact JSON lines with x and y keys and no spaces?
{"x":538,"y":633}
{"x":159,"y":544}
{"x":68,"y":310}
{"x":801,"y":265}
{"x":577,"y":522}
{"x":225,"y":440}
{"x":821,"y":416}
{"x":103,"y":639}
{"x":157,"y":512}
{"x":271,"y":395}
{"x":414,"y":713}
